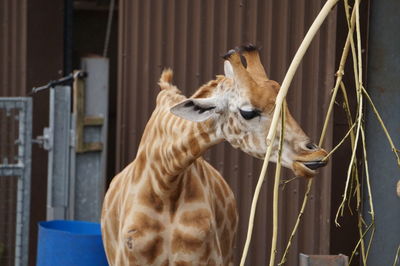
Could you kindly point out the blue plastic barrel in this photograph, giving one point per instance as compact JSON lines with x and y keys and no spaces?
{"x":70,"y":243}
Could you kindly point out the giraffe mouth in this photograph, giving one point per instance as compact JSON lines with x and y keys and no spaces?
{"x":307,"y":169}
{"x":314,"y":164}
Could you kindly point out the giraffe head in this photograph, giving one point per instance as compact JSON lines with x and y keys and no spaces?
{"x":240,"y":106}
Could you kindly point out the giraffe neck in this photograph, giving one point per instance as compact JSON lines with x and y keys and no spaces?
{"x":170,"y":144}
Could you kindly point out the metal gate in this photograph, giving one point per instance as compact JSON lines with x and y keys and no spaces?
{"x":15,"y":174}
{"x":76,"y":143}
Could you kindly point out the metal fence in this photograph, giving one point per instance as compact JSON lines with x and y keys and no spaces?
{"x":15,"y":174}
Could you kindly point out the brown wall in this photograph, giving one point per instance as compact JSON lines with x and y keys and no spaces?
{"x":190,"y":36}
{"x":13,"y":47}
{"x":12,"y":83}
{"x":45,"y":52}
{"x":31,"y":54}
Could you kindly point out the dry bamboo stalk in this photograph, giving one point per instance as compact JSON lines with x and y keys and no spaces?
{"x":357,"y":67}
{"x":396,"y":258}
{"x":339,"y":77}
{"x":340,"y":142}
{"x":378,"y":116}
{"x":353,"y":145}
{"x":276,"y":190}
{"x":346,"y":107}
{"x":356,"y":176}
{"x":303,"y":206}
{"x":358,"y":243}
{"x":279,"y":101}
{"x":372,"y":213}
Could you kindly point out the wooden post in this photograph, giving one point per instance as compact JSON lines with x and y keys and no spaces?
{"x":82,"y":120}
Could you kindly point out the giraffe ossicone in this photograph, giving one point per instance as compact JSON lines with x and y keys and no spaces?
{"x":169,"y":206}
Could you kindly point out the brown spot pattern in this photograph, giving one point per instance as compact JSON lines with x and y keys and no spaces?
{"x":219,"y":216}
{"x":207,"y":251}
{"x":225,"y":242}
{"x":143,"y":224}
{"x":198,"y":218}
{"x":211,"y":262}
{"x":183,"y":242}
{"x":218,"y":192}
{"x":177,"y":154}
{"x":148,"y":197}
{"x":205,"y":137}
{"x":207,"y":89}
{"x":174,"y":198}
{"x":225,"y":187}
{"x":236,"y":130}
{"x":263,"y":97}
{"x":183,"y":263}
{"x":152,"y":249}
{"x":255,"y":141}
{"x":157,"y":157}
{"x":202,"y":173}
{"x":160,"y":181}
{"x":140,"y":163}
{"x":232,"y":216}
{"x":193,"y":189}
{"x":194,"y":145}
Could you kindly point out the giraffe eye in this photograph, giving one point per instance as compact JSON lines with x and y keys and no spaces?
{"x":249,"y":114}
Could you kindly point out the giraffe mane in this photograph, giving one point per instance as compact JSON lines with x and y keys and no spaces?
{"x":166,"y":79}
{"x":207,"y":89}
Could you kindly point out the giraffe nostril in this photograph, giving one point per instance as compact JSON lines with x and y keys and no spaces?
{"x":311,"y":146}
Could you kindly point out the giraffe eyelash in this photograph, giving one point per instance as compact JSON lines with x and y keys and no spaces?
{"x":248,"y":115}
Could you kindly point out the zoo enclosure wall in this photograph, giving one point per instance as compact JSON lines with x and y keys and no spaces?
{"x":190,"y":37}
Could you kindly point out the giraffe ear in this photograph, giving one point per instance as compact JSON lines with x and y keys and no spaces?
{"x":228,"y":70}
{"x":196,"y":110}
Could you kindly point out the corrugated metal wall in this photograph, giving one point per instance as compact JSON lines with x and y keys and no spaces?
{"x":190,"y":36}
{"x":12,"y":83}
{"x":13,"y":47}
{"x":30,"y":56}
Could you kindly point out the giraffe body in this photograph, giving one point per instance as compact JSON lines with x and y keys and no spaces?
{"x":178,"y":215}
{"x":169,"y":206}
{"x":197,"y":231}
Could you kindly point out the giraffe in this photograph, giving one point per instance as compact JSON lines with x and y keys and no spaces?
{"x":169,"y":206}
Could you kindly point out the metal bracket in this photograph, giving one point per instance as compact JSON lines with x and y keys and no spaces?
{"x":323,"y":260}
{"x":82,"y":120}
{"x":45,"y":141}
